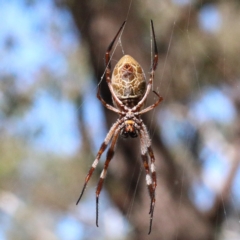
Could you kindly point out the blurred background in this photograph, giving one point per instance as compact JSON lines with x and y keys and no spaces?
{"x":51,"y":123}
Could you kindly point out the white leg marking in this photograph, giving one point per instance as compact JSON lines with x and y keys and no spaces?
{"x":148,"y":179}
{"x":143,"y":149}
{"x":95,"y":163}
{"x":103,"y":174}
{"x":153,"y":167}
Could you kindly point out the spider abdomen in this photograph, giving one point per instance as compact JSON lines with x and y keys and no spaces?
{"x":128,"y":81}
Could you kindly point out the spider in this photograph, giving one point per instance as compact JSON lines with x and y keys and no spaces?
{"x":129,"y":93}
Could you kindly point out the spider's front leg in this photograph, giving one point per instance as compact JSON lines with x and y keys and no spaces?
{"x":110,"y":154}
{"x":154,"y":183}
{"x":99,"y":154}
{"x":151,"y":179}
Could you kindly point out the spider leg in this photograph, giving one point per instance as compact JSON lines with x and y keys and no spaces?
{"x":105,"y":104}
{"x":153,"y":105}
{"x":110,"y":154}
{"x":108,"y":69}
{"x":155,"y":60}
{"x":152,"y":167}
{"x":101,"y":150}
{"x":153,"y":68}
{"x":151,"y":179}
{"x":154,"y":179}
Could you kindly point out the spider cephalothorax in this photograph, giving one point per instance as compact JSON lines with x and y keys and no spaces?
{"x":129,"y":129}
{"x":129,"y":92}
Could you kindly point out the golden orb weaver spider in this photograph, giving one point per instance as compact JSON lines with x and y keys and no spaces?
{"x":129,"y":93}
